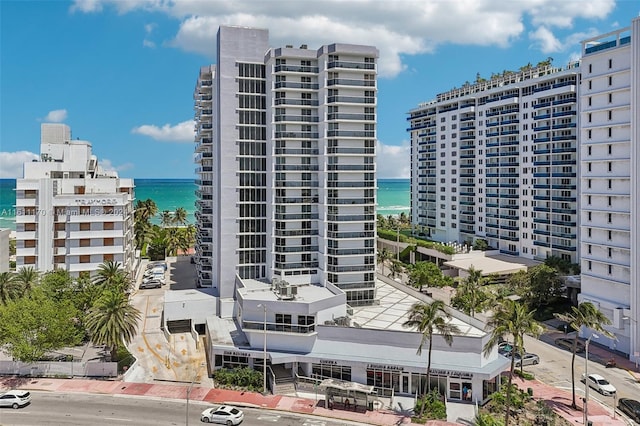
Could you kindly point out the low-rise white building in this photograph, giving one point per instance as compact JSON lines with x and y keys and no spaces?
{"x":71,"y":213}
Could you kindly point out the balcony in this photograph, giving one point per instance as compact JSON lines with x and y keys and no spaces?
{"x":296,"y":135}
{"x":352,"y":65}
{"x":296,"y":118}
{"x":296,"y":68}
{"x":278,"y":327}
{"x":295,"y":85}
{"x":350,"y":134}
{"x":351,"y":99}
{"x":297,"y":102}
{"x":350,"y":82}
{"x":345,"y":116}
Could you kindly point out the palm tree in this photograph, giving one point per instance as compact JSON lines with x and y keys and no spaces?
{"x":428,"y":318}
{"x":584,"y":315}
{"x":511,"y":319}
{"x":166,"y":218}
{"x":172,"y":241}
{"x":396,"y":268}
{"x":144,"y":211}
{"x":180,"y":216}
{"x":470,"y":295}
{"x":383,"y":256}
{"x":8,"y":290}
{"x":112,"y":321}
{"x":27,"y":277}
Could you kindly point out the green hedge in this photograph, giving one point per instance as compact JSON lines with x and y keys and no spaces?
{"x":392,"y":235}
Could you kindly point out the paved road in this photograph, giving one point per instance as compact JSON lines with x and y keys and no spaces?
{"x":555,"y":369}
{"x":81,"y":410}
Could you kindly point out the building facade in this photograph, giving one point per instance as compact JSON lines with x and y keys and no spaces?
{"x":70,"y":213}
{"x":610,"y":232}
{"x":285,"y":152}
{"x":497,"y":160}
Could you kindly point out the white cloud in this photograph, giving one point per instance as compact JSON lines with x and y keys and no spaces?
{"x":545,"y":40}
{"x":56,"y":116}
{"x":397,"y":28}
{"x":11,"y":163}
{"x":148,"y":29}
{"x":181,"y":132}
{"x":148,"y":43}
{"x":87,"y":6}
{"x":393,"y":160}
{"x":109,"y":167}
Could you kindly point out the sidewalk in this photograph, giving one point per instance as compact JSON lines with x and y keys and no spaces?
{"x":207,"y":394}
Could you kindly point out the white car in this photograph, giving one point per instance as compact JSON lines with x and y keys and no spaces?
{"x":600,"y":384}
{"x":15,"y":399}
{"x":527,"y":359}
{"x":225,"y":414}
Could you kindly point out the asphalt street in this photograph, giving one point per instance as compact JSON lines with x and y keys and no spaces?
{"x":80,"y":410}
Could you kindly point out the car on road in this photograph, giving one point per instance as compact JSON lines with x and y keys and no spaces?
{"x":527,"y":359}
{"x":600,"y":384}
{"x":224,"y":414}
{"x":567,"y":343}
{"x":150,"y":284}
{"x":15,"y":399}
{"x":630,"y":407}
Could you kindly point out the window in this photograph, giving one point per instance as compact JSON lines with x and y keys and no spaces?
{"x":85,"y":242}
{"x":85,"y":226}
{"x":609,"y":251}
{"x":589,"y":216}
{"x":610,"y":80}
{"x":589,"y":265}
{"x":609,"y":183}
{"x":85,"y":258}
{"x":609,"y":131}
{"x":610,"y":268}
{"x":589,"y":199}
{"x":589,"y":100}
{"x":609,"y":235}
{"x":590,"y":86}
{"x":589,"y":117}
{"x":610,"y":63}
{"x":609,"y":165}
{"x":609,"y":201}
{"x":108,"y":226}
{"x":610,"y":114}
{"x":608,"y":217}
{"x":610,"y":97}
{"x":589,"y":248}
{"x":589,"y":150}
{"x":108,"y":241}
{"x":590,"y":68}
{"x":589,"y":167}
{"x":588,"y":134}
{"x":107,"y":258}
{"x":609,"y":149}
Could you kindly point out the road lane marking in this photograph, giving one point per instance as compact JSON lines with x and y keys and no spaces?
{"x":117,"y":419}
{"x":269,"y":418}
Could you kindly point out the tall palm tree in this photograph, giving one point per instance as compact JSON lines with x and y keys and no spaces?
{"x":172,"y":241}
{"x":112,"y":321}
{"x":511,"y":319}
{"x":470,"y":296}
{"x":396,"y":268}
{"x":383,"y":256}
{"x":108,"y":273}
{"x":180,"y":216}
{"x":427,"y":319}
{"x":146,"y":209}
{"x":27,"y":277}
{"x":8,"y":290}
{"x":584,"y":315}
{"x":166,"y":218}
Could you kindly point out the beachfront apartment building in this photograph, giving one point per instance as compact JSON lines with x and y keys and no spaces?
{"x":72,"y":214}
{"x":609,"y":181}
{"x":285,"y":154}
{"x":497,"y":160}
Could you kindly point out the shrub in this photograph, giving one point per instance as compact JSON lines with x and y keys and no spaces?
{"x":525,"y":375}
{"x":243,"y":378}
{"x":431,"y":406}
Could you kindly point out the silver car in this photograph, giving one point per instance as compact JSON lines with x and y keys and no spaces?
{"x":225,"y":414}
{"x":527,"y":359}
{"x":15,"y":398}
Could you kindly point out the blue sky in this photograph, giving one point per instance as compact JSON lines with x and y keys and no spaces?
{"x":121,"y":73}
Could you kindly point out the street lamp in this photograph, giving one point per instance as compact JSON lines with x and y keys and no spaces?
{"x":586,"y":378}
{"x":264,"y":349}
{"x":195,"y":377}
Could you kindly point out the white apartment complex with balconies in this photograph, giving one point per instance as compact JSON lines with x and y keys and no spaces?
{"x":70,"y":213}
{"x":285,"y":152}
{"x":610,"y":197}
{"x":496,"y":160}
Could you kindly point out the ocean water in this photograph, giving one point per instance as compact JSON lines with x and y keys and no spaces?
{"x":169,"y":194}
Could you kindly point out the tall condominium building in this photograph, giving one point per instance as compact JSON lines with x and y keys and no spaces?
{"x":285,"y":153}
{"x":496,"y":160}
{"x":70,"y":213}
{"x":610,"y":197}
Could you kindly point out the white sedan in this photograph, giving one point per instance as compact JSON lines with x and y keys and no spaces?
{"x":225,"y":414}
{"x":600,"y":384}
{"x":15,"y":398}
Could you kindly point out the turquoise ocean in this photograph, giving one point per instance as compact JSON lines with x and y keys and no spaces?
{"x":169,"y":194}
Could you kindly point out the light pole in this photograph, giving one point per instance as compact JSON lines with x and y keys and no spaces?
{"x":586,"y":379}
{"x":264,"y":349}
{"x":195,"y":377}
{"x":398,"y":243}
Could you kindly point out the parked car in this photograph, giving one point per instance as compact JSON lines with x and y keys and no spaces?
{"x":15,"y":399}
{"x":153,"y":278}
{"x":225,"y":414}
{"x":152,"y":265}
{"x":600,"y":384}
{"x":150,"y":284}
{"x":630,"y":407}
{"x":527,"y":359}
{"x":505,"y":348}
{"x":567,"y":343}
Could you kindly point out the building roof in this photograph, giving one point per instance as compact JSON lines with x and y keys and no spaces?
{"x":488,"y":265}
